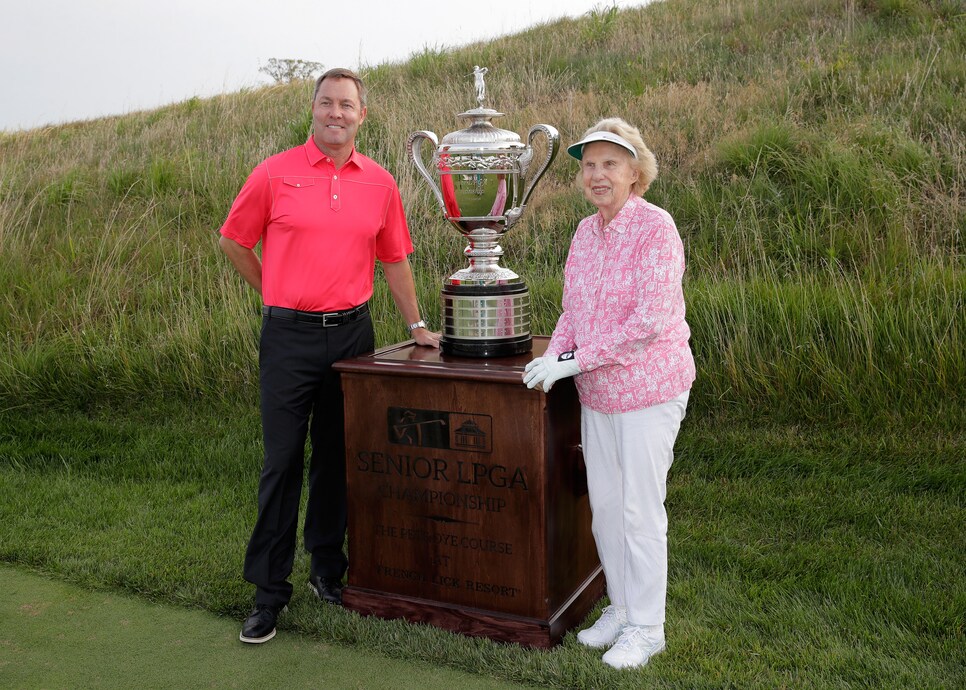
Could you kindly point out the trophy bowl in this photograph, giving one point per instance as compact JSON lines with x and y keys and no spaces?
{"x":482,"y":190}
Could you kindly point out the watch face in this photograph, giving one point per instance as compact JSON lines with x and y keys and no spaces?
{"x":565,"y":356}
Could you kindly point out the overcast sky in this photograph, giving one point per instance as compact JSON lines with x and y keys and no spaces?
{"x":66,"y":60}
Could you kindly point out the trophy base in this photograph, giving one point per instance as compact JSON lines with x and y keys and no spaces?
{"x":486,"y":320}
{"x":508,"y":348}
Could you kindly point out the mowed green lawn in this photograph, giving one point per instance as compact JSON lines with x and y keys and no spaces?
{"x":800,"y":557}
{"x":62,"y":636}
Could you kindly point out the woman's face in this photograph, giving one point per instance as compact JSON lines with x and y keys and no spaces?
{"x":607,"y":175}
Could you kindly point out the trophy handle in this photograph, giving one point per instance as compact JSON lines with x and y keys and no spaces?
{"x":413,"y":144}
{"x":553,"y":144}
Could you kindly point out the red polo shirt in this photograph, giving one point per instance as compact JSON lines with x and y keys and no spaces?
{"x":321,"y":229}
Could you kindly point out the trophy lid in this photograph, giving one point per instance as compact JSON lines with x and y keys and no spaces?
{"x":481,"y":134}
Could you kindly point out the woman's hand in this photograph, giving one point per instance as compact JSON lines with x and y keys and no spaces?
{"x":543,"y":372}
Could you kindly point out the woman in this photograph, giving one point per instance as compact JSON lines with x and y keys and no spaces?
{"x":622,"y":334}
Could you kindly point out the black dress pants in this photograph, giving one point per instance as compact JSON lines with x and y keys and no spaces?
{"x":301,"y":395}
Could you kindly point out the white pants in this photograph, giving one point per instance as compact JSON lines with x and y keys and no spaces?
{"x":628,"y":456}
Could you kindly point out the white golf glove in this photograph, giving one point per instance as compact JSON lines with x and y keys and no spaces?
{"x":543,"y":372}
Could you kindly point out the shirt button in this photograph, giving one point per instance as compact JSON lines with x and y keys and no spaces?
{"x":298,"y":185}
{"x":335,"y":196}
{"x":335,"y":177}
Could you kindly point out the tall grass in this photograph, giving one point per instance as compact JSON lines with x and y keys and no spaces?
{"x":812,"y":153}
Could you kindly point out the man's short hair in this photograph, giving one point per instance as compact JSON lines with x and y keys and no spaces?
{"x":342,"y":73}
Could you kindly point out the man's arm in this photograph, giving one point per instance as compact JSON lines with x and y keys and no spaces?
{"x":244,"y":260}
{"x":399,"y":276}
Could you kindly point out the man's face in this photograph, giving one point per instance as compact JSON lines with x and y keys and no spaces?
{"x":337,"y":113}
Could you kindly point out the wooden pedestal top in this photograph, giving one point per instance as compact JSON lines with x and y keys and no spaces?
{"x":410,"y":359}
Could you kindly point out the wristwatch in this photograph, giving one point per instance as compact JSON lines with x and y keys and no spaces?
{"x":413,"y":326}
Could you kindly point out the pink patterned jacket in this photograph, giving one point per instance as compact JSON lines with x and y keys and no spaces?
{"x":623,"y":310}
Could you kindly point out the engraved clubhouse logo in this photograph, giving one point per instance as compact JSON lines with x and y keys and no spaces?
{"x":438,"y":429}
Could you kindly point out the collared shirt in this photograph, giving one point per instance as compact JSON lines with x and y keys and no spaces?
{"x":321,"y":228}
{"x":623,"y":310}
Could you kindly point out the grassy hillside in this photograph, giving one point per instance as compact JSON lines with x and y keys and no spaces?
{"x":812,"y":153}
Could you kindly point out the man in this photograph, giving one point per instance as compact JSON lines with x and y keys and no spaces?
{"x":323,"y":213}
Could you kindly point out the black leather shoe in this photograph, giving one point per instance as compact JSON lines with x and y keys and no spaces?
{"x":260,"y":625}
{"x":328,"y":589}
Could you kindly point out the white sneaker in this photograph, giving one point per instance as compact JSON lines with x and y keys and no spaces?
{"x":603,"y":633}
{"x":636,"y":645}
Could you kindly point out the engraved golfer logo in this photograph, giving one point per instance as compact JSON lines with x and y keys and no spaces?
{"x":409,"y":429}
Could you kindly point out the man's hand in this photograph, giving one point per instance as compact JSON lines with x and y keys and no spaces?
{"x":399,"y":276}
{"x":543,"y":372}
{"x":424,"y":336}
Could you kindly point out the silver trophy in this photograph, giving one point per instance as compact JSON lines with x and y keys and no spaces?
{"x":482,"y":171}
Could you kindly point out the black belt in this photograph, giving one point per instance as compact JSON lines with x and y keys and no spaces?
{"x":325,"y":319}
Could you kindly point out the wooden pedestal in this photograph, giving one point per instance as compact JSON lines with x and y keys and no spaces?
{"x":468,"y":505}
